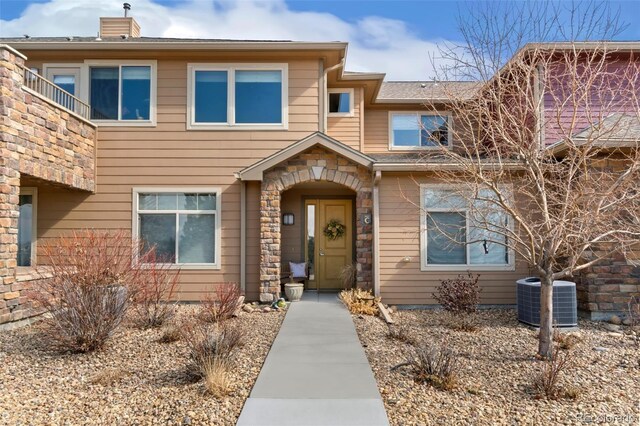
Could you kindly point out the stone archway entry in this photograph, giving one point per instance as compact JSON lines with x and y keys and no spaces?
{"x":315,"y":158}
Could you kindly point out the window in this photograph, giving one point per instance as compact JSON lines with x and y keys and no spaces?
{"x":418,"y":130}
{"x":67,"y":77}
{"x":247,"y":96}
{"x":27,"y":206}
{"x":457,"y":235}
{"x":340,"y":102}
{"x":182,"y":224}
{"x":122,"y":92}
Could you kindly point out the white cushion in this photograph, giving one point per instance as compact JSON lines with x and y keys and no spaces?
{"x":298,"y":270}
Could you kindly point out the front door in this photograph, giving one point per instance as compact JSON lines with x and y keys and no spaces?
{"x":332,"y":251}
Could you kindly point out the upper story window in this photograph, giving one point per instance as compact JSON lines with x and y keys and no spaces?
{"x":340,"y":102}
{"x":416,"y":130}
{"x":122,"y":92}
{"x":243,"y":96}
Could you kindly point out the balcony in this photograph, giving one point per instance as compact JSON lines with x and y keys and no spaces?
{"x":44,"y":131}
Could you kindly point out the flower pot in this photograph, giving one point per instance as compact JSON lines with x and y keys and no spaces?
{"x":293,"y":291}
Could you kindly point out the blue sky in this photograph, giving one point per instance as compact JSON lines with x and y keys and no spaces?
{"x":388,"y":36}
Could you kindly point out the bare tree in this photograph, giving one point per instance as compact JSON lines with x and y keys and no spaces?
{"x":545,"y":137}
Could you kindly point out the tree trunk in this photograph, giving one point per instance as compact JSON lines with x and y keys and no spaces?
{"x":545,"y":343}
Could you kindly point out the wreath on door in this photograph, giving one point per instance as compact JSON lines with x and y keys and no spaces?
{"x":334,"y":230}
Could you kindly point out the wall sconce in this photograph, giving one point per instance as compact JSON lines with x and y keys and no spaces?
{"x":287,"y":219}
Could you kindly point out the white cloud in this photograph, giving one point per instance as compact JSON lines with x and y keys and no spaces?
{"x":375,"y":43}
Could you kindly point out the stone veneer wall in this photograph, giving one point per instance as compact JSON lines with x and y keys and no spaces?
{"x":297,"y":170}
{"x":39,"y":139}
{"x":606,"y":288}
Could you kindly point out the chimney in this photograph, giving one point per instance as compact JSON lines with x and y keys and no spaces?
{"x":118,"y":27}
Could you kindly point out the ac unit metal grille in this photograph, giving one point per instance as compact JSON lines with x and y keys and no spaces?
{"x":565,"y":309}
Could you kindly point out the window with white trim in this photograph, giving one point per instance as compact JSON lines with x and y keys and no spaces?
{"x":250,"y":96}
{"x":183,"y":225}
{"x":418,"y":130}
{"x":122,"y":91}
{"x":340,"y":102}
{"x":27,"y":219}
{"x":458,"y":234}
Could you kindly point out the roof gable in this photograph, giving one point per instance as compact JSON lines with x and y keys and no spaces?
{"x":255,"y":171}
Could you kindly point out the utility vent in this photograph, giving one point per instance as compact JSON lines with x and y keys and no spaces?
{"x":565,"y":309}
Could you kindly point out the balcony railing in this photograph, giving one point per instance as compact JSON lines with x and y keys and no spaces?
{"x":61,"y":97}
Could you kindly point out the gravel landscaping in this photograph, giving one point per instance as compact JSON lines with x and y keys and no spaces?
{"x":135,"y":380}
{"x":497,"y":364}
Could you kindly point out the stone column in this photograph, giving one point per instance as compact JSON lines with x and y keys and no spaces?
{"x":269,"y":242}
{"x":364,"y":239}
{"x":10,"y":81}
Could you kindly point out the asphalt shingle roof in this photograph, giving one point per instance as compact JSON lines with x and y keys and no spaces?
{"x":424,"y":90}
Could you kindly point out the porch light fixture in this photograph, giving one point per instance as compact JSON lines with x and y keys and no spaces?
{"x":287,"y":219}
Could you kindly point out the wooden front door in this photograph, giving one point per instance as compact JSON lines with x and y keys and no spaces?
{"x":330,"y":255}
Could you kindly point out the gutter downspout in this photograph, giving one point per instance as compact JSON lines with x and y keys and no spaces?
{"x":243,"y":236}
{"x":323,"y":125}
{"x":377,"y":176}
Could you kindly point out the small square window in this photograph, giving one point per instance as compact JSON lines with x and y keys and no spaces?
{"x":339,"y":103}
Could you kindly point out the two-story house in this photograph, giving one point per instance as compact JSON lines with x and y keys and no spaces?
{"x":231,"y":157}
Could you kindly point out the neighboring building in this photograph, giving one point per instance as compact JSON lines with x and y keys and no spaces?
{"x":201,"y":146}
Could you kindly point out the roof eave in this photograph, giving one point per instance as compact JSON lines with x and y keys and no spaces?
{"x":427,"y":166}
{"x":203,"y":45}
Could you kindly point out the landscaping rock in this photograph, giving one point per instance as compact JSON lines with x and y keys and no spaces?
{"x":266,"y":309}
{"x":40,"y":387}
{"x":496,"y":369}
{"x":612,"y":327}
{"x":615,"y":320}
{"x":627,"y":322}
{"x":247,"y":308}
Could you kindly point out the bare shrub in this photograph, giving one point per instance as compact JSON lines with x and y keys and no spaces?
{"x":359,"y":301}
{"x":546,"y":380}
{"x":401,"y":333}
{"x":109,"y":376}
{"x":155,"y":289}
{"x":217,"y":380}
{"x":88,"y":295}
{"x":435,"y":365}
{"x":348,"y":275}
{"x":209,"y":343}
{"x":222,"y":304}
{"x":463,"y":322}
{"x":170,"y":334}
{"x":459,"y":295}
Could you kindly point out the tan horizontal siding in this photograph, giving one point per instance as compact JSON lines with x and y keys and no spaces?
{"x":403,"y":282}
{"x":347,"y":129}
{"x":169,"y":155}
{"x":376,"y":131}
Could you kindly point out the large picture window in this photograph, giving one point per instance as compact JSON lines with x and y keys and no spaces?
{"x":122,"y":92}
{"x":182,"y":225}
{"x":250,"y":96}
{"x":411,"y":130}
{"x":458,"y":235}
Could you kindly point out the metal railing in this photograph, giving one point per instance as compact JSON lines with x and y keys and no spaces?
{"x":49,"y":90}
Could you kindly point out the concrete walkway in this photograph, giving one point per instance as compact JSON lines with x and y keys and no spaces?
{"x":316,"y":372}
